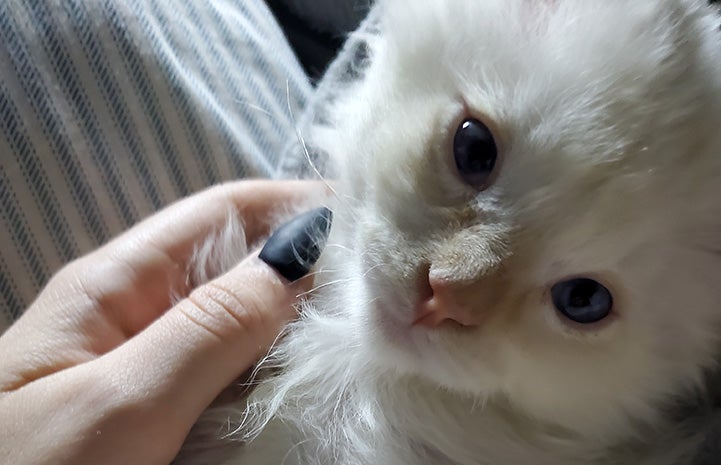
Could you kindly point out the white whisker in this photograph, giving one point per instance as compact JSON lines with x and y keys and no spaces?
{"x":321,"y":286}
{"x":301,"y":140}
{"x":294,"y":447}
{"x":342,"y":247}
{"x":377,"y":265}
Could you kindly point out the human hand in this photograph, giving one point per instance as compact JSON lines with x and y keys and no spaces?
{"x":99,"y":371}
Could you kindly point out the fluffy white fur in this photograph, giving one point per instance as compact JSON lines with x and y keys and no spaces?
{"x":607,"y":117}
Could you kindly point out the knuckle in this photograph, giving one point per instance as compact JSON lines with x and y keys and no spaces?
{"x":69,"y":273}
{"x":72,"y":283}
{"x":222,"y":311}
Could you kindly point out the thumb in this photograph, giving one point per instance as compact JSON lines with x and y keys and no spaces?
{"x":184,"y":359}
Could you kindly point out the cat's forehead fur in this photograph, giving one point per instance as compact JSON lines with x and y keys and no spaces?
{"x":568,"y":100}
{"x":536,"y":59}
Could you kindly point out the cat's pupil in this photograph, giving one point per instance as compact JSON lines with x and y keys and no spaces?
{"x":582,"y":300}
{"x":581,"y":293}
{"x":475,"y":152}
{"x":579,"y":300}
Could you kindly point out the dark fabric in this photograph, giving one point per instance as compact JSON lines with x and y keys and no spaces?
{"x":315,"y":49}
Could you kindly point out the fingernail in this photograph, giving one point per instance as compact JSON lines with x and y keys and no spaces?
{"x":294,"y":248}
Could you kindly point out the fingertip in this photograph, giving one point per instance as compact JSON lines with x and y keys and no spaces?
{"x":296,"y":246}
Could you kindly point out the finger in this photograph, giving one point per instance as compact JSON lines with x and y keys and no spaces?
{"x":146,"y":394}
{"x":133,"y":278}
{"x":176,"y":229}
{"x":101,"y":300}
{"x":201,"y":345}
{"x":153,"y":256}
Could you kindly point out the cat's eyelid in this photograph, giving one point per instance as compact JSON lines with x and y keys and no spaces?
{"x":492,"y":121}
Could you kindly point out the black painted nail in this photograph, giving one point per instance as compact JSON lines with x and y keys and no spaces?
{"x":294,"y":248}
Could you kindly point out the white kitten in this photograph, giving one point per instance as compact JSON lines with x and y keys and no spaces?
{"x":525,"y":263}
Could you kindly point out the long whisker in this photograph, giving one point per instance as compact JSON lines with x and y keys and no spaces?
{"x":320,"y":272}
{"x":301,"y":140}
{"x":321,"y":286}
{"x":263,"y":362}
{"x":376,"y":266}
{"x":345,"y":199}
{"x":342,"y":247}
{"x":292,"y":449}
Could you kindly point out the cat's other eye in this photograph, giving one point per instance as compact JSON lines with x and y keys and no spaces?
{"x":582,"y":300}
{"x":475,"y":152}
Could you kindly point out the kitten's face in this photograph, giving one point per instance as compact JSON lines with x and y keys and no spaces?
{"x":601,"y":114}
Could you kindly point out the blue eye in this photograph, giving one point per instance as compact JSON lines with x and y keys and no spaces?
{"x":475,"y":152}
{"x":582,"y":300}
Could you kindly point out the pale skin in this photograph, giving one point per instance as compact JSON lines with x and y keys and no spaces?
{"x":104,"y":369}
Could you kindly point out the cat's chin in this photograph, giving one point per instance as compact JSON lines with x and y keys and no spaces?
{"x":393,"y":342}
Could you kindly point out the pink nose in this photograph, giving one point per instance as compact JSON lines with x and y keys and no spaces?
{"x":438,"y":303}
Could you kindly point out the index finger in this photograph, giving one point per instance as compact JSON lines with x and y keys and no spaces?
{"x":134,"y":277}
{"x":175,"y":230}
{"x":101,"y":300}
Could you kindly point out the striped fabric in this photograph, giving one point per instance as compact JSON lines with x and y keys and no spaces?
{"x":111,"y":109}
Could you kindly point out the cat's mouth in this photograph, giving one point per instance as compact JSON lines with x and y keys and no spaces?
{"x":430,"y":319}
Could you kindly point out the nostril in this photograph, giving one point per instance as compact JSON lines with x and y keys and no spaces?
{"x":437,"y":301}
{"x":423,"y":283}
{"x":441,"y":287}
{"x":430,"y":309}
